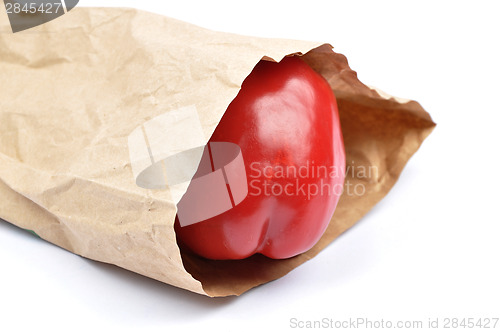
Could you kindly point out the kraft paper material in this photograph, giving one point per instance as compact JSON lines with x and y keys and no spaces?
{"x":73,"y":93}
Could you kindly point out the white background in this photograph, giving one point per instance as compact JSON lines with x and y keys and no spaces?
{"x":428,"y":250}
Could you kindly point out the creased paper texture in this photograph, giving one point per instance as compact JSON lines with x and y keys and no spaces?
{"x":75,"y":90}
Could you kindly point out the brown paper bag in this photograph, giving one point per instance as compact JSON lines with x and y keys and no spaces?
{"x":74,"y":89}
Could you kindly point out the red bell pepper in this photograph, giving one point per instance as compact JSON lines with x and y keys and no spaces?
{"x":286,"y":123}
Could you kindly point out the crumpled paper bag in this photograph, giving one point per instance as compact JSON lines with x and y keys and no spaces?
{"x":74,"y":89}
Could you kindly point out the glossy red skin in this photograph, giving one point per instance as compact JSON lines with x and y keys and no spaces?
{"x":284,"y":115}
